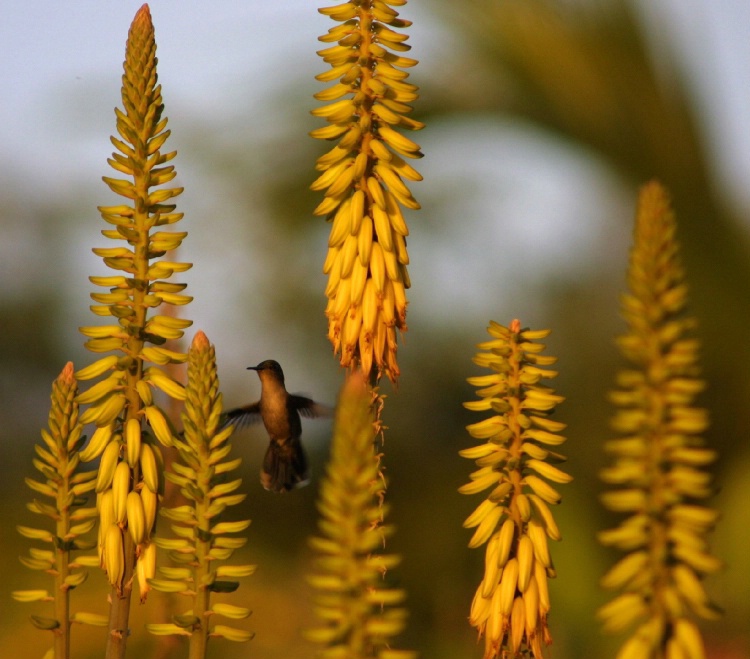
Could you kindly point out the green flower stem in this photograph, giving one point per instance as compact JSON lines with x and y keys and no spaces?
{"x":67,"y":387}
{"x":119,"y":610}
{"x":202,"y":596}
{"x":62,"y":596}
{"x":201,"y":600}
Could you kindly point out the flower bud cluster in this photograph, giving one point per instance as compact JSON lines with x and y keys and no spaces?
{"x":658,"y":473}
{"x":203,"y":542}
{"x":516,"y":461}
{"x":361,"y":613}
{"x":363,"y":179}
{"x":58,"y":461}
{"x":142,"y":286}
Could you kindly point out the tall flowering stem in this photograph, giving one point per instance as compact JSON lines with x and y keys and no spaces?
{"x":360,"y":613}
{"x":363,"y":179}
{"x":516,"y":459}
{"x":658,"y":471}
{"x":58,"y":461}
{"x":203,"y":540}
{"x":129,"y":477}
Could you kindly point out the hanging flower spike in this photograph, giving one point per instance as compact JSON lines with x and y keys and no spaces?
{"x":511,"y":605}
{"x":129,"y":477}
{"x":203,"y":542}
{"x":59,"y":464}
{"x":359,"y":611}
{"x":658,"y":470}
{"x":363,"y":178}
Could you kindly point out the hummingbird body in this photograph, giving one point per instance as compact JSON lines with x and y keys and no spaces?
{"x":285,"y":463}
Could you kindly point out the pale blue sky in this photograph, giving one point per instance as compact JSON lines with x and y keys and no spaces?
{"x":56,"y":51}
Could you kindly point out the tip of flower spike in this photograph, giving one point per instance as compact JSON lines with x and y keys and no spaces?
{"x":142,"y":26}
{"x":200,"y":341}
{"x":66,"y":375}
{"x":515,"y":326}
{"x":143,"y":15}
{"x":655,"y":196}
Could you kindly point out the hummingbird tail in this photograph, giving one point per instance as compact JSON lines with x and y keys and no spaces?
{"x":284,"y":466}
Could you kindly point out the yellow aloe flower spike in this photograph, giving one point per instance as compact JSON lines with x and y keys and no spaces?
{"x":658,"y":471}
{"x":129,"y":423}
{"x":142,"y":287}
{"x":58,"y":461}
{"x":204,"y":542}
{"x":516,"y":462}
{"x":359,"y":610}
{"x":363,"y":181}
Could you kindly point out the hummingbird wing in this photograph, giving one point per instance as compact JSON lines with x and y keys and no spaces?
{"x":309,"y":408}
{"x":242,"y":416}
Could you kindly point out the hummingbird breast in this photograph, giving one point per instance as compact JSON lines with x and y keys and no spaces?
{"x":282,"y":422}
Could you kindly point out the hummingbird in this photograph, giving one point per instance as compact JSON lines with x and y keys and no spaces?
{"x":285,"y":464}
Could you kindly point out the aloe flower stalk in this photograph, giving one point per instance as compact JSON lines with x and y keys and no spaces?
{"x":516,"y":459}
{"x":658,"y":474}
{"x":204,"y":542}
{"x":359,"y":611}
{"x":129,"y":478}
{"x":58,"y":461}
{"x":363,"y":179}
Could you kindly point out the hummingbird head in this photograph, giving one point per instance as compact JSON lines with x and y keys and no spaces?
{"x":269,"y":369}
